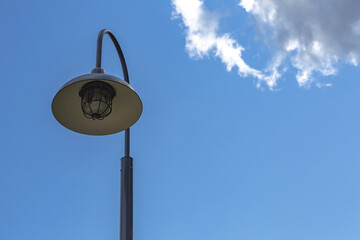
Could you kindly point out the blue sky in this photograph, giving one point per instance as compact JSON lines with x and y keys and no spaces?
{"x":215,"y":156}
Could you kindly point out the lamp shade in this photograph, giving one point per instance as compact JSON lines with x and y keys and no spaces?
{"x":68,"y":106}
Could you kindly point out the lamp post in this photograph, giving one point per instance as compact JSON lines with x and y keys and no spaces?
{"x":102,"y":104}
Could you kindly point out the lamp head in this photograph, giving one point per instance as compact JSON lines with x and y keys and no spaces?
{"x":97,"y":104}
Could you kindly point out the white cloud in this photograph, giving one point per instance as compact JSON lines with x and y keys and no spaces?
{"x":202,"y":38}
{"x":315,"y":35}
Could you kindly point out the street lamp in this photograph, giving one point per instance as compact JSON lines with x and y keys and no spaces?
{"x":102,"y":104}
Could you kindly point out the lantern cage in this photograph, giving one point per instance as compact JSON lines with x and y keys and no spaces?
{"x":96,"y":99}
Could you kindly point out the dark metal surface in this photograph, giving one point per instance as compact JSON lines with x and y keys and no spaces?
{"x":99,"y":77}
{"x":124,"y":68}
{"x":126,"y":207}
{"x":126,"y":196}
{"x":127,"y":109}
{"x":127,"y":106}
{"x":94,"y":97}
{"x":118,"y":49}
{"x":127,"y":142}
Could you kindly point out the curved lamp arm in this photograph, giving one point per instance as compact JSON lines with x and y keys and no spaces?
{"x":118,"y":49}
{"x":124,"y":68}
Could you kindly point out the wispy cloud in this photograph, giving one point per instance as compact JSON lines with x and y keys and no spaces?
{"x":315,"y":36}
{"x":202,"y":38}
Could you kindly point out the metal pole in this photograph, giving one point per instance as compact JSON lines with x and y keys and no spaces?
{"x":126,"y":184}
{"x":126,"y":195}
{"x":126,"y":211}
